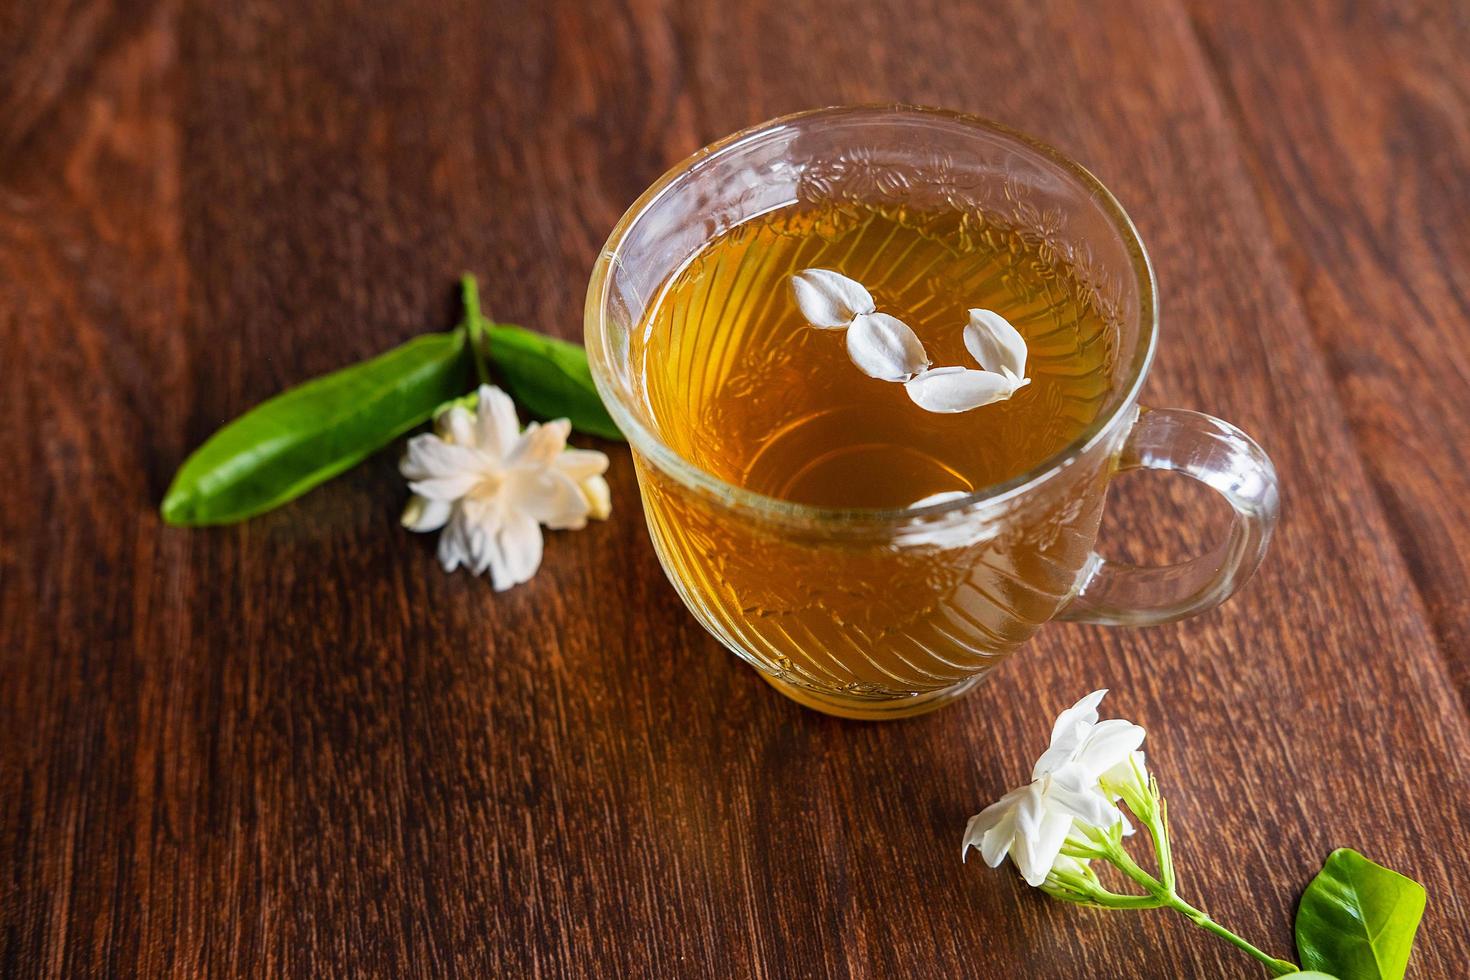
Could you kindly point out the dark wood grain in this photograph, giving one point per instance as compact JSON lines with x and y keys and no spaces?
{"x":1366,"y":196}
{"x":295,"y":747}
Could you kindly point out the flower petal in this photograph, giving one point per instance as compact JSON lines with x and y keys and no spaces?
{"x":422,"y":514}
{"x":546,"y":495}
{"x":1108,"y":744}
{"x":446,"y":488}
{"x":1035,"y":854}
{"x":995,"y":344}
{"x":454,"y":549}
{"x":540,"y":444}
{"x":829,"y":299}
{"x":1055,"y":757}
{"x":477,"y":522}
{"x":429,"y":457}
{"x":598,"y":496}
{"x":1031,"y":808}
{"x":956,"y":389}
{"x":579,"y":464}
{"x":1068,"y":792}
{"x":496,"y":423}
{"x":1068,"y":732}
{"x":519,"y":552}
{"x":440,"y":470}
{"x":885,"y":348}
{"x":998,"y":841}
{"x":1084,"y":712}
{"x":456,"y":427}
{"x":993,"y":828}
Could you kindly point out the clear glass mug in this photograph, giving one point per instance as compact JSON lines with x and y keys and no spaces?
{"x":805,"y":594}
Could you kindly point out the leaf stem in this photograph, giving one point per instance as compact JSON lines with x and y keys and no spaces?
{"x":1164,"y":895}
{"x":1277,"y":968}
{"x":474,"y":324}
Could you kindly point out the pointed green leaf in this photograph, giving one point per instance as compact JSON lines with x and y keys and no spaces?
{"x":282,"y":448}
{"x":1357,"y":919}
{"x":549,"y":378}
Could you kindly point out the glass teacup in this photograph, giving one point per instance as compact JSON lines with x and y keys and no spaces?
{"x":885,"y":613}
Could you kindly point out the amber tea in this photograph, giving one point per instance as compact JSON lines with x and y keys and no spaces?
{"x":740,"y":384}
{"x":877,"y":365}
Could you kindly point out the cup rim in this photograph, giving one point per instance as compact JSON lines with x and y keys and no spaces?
{"x":642,"y":439}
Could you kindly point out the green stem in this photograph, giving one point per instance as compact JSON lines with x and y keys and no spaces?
{"x":1158,"y":829}
{"x":1164,"y":895}
{"x":1126,"y":865}
{"x":1141,"y":902}
{"x":1277,"y":968}
{"x":474,"y":324}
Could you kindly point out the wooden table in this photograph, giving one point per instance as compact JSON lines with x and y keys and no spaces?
{"x":297,"y":747}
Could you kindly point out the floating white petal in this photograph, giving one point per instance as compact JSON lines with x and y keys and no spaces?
{"x":995,"y":344}
{"x":1017,"y":383}
{"x":885,"y":348}
{"x":829,"y":299}
{"x":955,"y":389}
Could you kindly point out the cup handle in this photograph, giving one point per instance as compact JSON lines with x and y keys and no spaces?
{"x":1220,"y":456}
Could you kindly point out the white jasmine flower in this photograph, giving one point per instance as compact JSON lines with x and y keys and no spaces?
{"x":884,"y":347}
{"x":830,"y":300}
{"x":1031,"y":824}
{"x":491,"y":487}
{"x":1085,"y":748}
{"x":1056,"y":827}
{"x":1067,"y":783}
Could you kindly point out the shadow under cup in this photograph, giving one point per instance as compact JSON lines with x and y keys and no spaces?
{"x":888,"y":613}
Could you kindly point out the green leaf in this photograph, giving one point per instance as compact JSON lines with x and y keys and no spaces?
{"x":1357,"y":919}
{"x":549,"y":378}
{"x":308,"y":434}
{"x":1311,"y":975}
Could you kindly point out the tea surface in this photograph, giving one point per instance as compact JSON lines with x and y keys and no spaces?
{"x":740,"y":384}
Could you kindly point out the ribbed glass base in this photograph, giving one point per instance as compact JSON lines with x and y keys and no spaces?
{"x":869,"y":708}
